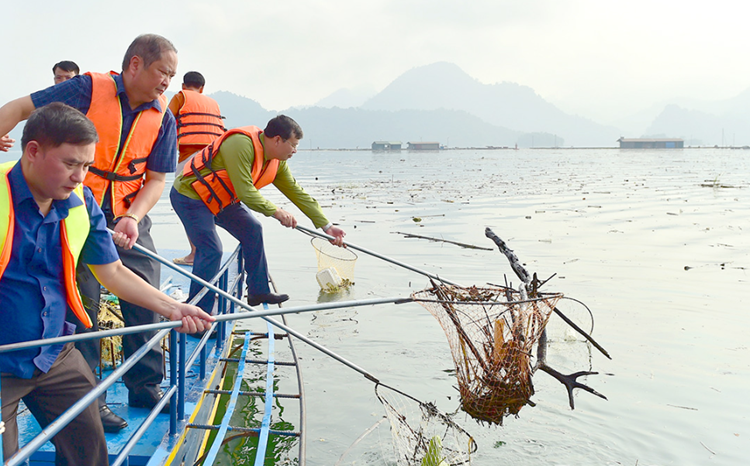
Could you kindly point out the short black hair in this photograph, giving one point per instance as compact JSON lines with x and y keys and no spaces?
{"x":193,"y":79}
{"x":283,"y":126}
{"x":56,"y":124}
{"x":67,"y":65}
{"x":149,"y":47}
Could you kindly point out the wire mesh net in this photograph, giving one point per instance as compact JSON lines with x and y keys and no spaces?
{"x":421,"y":434}
{"x":492,"y":332}
{"x":335,"y":265}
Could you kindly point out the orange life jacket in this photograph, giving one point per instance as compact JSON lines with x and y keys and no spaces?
{"x":115,"y":168}
{"x":198,"y":120}
{"x":73,"y":233}
{"x":215,"y":188}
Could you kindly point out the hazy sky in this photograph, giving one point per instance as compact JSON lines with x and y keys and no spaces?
{"x":597,"y":58}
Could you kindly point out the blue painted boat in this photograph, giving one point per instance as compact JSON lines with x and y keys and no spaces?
{"x":216,"y":409}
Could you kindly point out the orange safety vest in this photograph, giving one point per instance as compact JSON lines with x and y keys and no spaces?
{"x":115,"y":168}
{"x":215,"y":188}
{"x":73,"y":233}
{"x":198,"y":120}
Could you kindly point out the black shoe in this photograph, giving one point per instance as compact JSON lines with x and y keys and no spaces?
{"x":147,"y":398}
{"x":112,"y":422}
{"x":268,"y":298}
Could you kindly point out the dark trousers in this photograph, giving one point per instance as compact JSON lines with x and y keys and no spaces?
{"x":148,"y":373}
{"x":80,"y":443}
{"x":200,"y":226}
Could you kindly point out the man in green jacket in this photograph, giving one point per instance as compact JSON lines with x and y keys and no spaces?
{"x":219,"y":186}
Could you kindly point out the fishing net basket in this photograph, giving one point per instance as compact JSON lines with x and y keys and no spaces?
{"x":335,"y":265}
{"x":492,"y":333}
{"x":422,"y":435}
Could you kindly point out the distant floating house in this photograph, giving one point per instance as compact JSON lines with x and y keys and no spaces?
{"x":386,"y":145}
{"x":650,"y":143}
{"x":423,"y":145}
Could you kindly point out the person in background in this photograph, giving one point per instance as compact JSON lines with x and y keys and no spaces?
{"x":137,"y":148}
{"x":199,"y":122}
{"x":49,"y":221}
{"x":65,"y":70}
{"x":219,"y":186}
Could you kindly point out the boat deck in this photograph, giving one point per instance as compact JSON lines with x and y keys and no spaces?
{"x":151,"y":448}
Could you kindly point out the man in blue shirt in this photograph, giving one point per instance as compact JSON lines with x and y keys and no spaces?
{"x":41,"y":198}
{"x":149,"y":64}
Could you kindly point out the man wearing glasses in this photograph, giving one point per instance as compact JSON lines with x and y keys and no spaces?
{"x":219,"y":186}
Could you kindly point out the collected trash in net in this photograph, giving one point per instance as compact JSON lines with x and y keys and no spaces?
{"x":335,"y":266}
{"x":530,"y":287}
{"x":492,"y":332}
{"x":110,"y":317}
{"x":422,"y":435}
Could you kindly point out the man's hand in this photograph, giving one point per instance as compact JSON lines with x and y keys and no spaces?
{"x":338,"y":234}
{"x":144,"y":201}
{"x":122,"y":282}
{"x":126,"y":232}
{"x":285,"y":218}
{"x":6,"y":143}
{"x":192,"y":317}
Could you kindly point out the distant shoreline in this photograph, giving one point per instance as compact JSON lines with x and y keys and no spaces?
{"x":320,"y":149}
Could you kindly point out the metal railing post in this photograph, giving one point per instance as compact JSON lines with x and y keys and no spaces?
{"x":222,"y":305}
{"x":181,"y":377}
{"x":202,"y":362}
{"x":172,"y":381}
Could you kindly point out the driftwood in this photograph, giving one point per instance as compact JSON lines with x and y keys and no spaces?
{"x":523,"y":275}
{"x":531,"y":286}
{"x":463,"y":245}
{"x":515,"y":264}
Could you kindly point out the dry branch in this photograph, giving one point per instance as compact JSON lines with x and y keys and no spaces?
{"x":463,"y":245}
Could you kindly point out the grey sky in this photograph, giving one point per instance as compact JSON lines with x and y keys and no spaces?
{"x":597,"y":58}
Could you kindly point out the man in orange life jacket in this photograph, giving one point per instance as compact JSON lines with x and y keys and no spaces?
{"x":219,"y":186}
{"x":137,"y":148}
{"x":48,"y":221}
{"x":199,"y":122}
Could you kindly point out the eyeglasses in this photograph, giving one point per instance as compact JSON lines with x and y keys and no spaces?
{"x":292,"y":145}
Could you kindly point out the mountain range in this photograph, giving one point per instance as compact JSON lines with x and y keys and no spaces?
{"x":442,"y":103}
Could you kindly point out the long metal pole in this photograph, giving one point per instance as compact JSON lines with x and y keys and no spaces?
{"x":379,"y":256}
{"x":243,"y":305}
{"x":220,"y":318}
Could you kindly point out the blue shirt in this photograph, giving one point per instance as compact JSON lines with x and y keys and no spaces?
{"x":76,"y":92}
{"x":32,"y":289}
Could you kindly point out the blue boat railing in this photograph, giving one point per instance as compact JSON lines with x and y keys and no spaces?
{"x":178,"y":367}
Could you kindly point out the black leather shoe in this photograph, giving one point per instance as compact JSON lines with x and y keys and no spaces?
{"x":147,"y":398}
{"x":112,"y":422}
{"x":268,"y":298}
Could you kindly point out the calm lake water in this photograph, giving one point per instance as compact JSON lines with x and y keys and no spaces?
{"x":656,"y":243}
